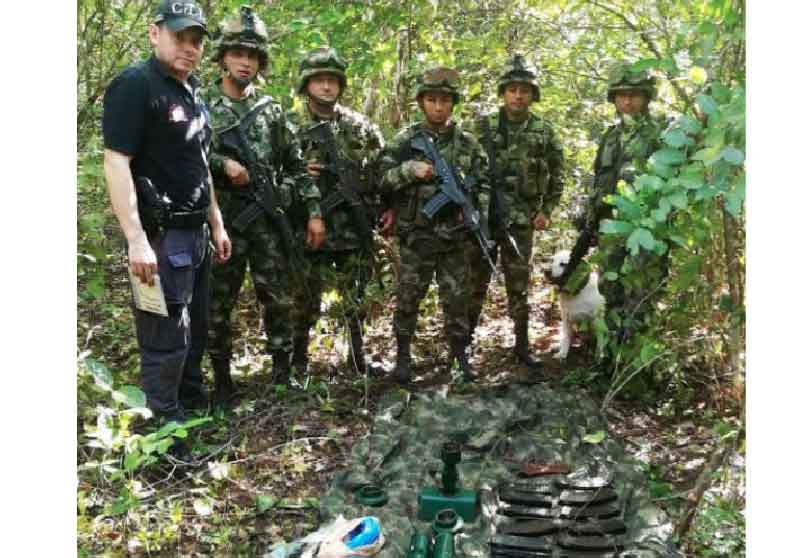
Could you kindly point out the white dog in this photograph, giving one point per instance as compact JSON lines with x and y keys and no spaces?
{"x":586,"y":305}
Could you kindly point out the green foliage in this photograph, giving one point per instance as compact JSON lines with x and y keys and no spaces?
{"x":719,"y":529}
{"x":693,"y":186}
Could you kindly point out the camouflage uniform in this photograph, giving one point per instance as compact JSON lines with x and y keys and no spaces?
{"x":628,"y":143}
{"x":529,"y":166}
{"x":258,"y":246}
{"x":441,"y":247}
{"x":345,"y":257}
{"x":629,"y":298}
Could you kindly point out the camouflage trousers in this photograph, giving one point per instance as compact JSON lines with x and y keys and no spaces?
{"x":346,"y":270}
{"x":259,"y":249}
{"x":420,"y":260}
{"x":516,"y":275}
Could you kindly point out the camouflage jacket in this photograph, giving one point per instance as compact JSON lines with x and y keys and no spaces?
{"x":529,"y":161}
{"x":358,"y":142}
{"x":409,"y":195}
{"x":632,"y":140}
{"x":274,"y":143}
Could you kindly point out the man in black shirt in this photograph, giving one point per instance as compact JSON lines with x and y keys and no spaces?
{"x":156,"y":126}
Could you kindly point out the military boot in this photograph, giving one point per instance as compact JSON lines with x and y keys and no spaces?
{"x":460,"y":354}
{"x":356,"y":355}
{"x":300,"y":359}
{"x":521,"y":349}
{"x":281,"y":367}
{"x":403,"y":360}
{"x":223,"y":385}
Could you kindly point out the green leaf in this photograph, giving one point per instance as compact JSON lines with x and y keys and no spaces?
{"x":645,"y":64}
{"x":689,"y":124}
{"x":101,"y":374}
{"x":679,"y":200}
{"x":661,"y":213}
{"x":733,"y":155}
{"x":649,"y":181}
{"x":725,"y":303}
{"x":705,"y":193}
{"x":130,"y":396}
{"x":629,"y":209}
{"x":265,"y":502}
{"x":668,"y":157}
{"x":707,"y":104}
{"x":708,"y":155}
{"x":610,"y":275}
{"x":677,"y":138}
{"x":640,"y":237}
{"x":720,"y":93}
{"x":733,"y":201}
{"x":691,"y":178}
{"x":689,"y":273}
{"x":594,"y":438}
{"x":609,"y":226}
{"x":163,"y":445}
{"x":95,"y":288}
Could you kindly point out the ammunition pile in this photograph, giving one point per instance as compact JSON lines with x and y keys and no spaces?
{"x":557,"y":518}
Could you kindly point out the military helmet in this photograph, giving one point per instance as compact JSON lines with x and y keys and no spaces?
{"x":623,"y":77}
{"x":323,"y":60}
{"x":244,"y":30}
{"x":438,"y":78}
{"x":517,"y":70}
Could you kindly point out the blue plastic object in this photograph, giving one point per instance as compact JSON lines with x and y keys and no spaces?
{"x":366,"y":533}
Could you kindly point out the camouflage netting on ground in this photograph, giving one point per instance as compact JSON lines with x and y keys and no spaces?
{"x":499,"y":429}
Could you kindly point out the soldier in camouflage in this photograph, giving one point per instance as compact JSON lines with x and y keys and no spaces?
{"x":528,"y":170}
{"x":442,"y":246}
{"x":241,"y":54}
{"x":346,"y":256}
{"x":623,"y":152}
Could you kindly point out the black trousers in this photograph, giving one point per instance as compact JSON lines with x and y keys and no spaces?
{"x":171,"y":348}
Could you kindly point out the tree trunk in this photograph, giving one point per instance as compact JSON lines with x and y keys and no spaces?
{"x":735,"y":284}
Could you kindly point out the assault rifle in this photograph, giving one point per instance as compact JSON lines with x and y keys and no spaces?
{"x":498,"y":216}
{"x":261,"y":189}
{"x":349,"y":188}
{"x":452,"y":189}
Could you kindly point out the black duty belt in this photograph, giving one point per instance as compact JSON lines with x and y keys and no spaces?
{"x":185,"y":219}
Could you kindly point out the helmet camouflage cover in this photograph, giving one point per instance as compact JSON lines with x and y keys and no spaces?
{"x":243,"y":30}
{"x":438,"y":78}
{"x":517,"y":70}
{"x":624,"y":77}
{"x":323,"y":60}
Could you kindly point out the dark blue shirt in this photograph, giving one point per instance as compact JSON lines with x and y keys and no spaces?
{"x":164,"y":125}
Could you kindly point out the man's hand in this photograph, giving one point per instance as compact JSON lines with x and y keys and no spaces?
{"x":315,"y":233}
{"x":314,"y":168}
{"x":540,"y":222}
{"x":142,"y":259}
{"x":222,"y":244}
{"x":387,"y":222}
{"x":236,"y":172}
{"x":422,"y":170}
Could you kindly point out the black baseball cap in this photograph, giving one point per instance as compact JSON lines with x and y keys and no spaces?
{"x":180,"y":14}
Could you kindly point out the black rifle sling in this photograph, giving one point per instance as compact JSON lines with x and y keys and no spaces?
{"x":497,"y":199}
